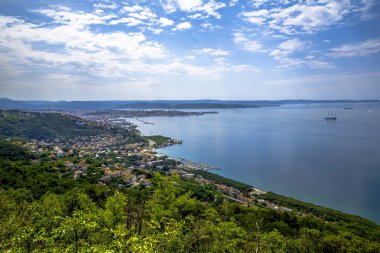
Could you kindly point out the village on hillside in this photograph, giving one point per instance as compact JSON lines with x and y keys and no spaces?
{"x":111,"y":160}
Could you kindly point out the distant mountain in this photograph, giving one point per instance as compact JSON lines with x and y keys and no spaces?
{"x":160,"y":105}
{"x":6,"y":103}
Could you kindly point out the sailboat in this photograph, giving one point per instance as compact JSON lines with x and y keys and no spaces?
{"x":331,"y":116}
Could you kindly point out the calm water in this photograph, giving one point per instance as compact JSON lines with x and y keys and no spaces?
{"x":289,"y":150}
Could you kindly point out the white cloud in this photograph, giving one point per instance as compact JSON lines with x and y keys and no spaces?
{"x":64,"y":15}
{"x":182,"y":26}
{"x":129,"y":21}
{"x":81,"y":51}
{"x":189,"y":5}
{"x":143,"y":18}
{"x":291,"y":45}
{"x":304,"y":16}
{"x":363,"y":48}
{"x":213,"y":52}
{"x":288,"y":47}
{"x":233,"y":2}
{"x":106,"y":6}
{"x":311,"y":17}
{"x":286,"y":62}
{"x":134,"y":8}
{"x":144,"y":14}
{"x":165,"y":22}
{"x":97,"y":53}
{"x":247,"y":44}
{"x":197,"y":16}
{"x":169,"y":6}
{"x":155,"y":30}
{"x":132,"y":16}
{"x":256,"y":17}
{"x":253,"y":46}
{"x":282,"y":55}
{"x":209,"y":26}
{"x":258,"y":3}
{"x":209,"y":8}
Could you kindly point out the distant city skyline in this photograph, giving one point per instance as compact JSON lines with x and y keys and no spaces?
{"x":189,"y":49}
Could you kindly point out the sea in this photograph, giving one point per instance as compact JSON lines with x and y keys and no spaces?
{"x":290,"y":150}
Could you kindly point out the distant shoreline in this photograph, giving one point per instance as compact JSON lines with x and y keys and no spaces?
{"x":6,"y":103}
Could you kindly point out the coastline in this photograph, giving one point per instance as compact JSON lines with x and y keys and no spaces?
{"x":319,"y":202}
{"x":268,"y":198}
{"x":288,"y":204}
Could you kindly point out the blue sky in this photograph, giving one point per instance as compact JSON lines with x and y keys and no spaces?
{"x":189,"y":49}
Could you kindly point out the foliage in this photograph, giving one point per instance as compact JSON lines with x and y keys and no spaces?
{"x":159,"y":140}
{"x":53,"y":126}
{"x":222,"y":180}
{"x":169,"y":217}
{"x":42,"y":210}
{"x":358,"y":225}
{"x":12,"y":151}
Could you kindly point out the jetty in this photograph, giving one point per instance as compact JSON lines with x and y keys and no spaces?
{"x":145,"y":122}
{"x":196,"y":165}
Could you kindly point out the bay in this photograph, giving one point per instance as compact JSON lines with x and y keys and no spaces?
{"x":289,"y":150}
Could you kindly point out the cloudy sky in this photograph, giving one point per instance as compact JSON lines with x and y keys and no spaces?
{"x":189,"y":49}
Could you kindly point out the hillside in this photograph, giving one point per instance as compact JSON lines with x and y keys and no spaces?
{"x":55,"y":126}
{"x":121,"y":198}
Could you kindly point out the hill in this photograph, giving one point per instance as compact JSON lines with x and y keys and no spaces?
{"x":55,"y":127}
{"x":124,"y":199}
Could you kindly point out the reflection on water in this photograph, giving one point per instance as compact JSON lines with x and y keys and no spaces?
{"x":289,"y":150}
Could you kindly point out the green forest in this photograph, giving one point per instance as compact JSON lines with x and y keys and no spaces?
{"x":45,"y":210}
{"x":42,"y":212}
{"x":54,"y":126}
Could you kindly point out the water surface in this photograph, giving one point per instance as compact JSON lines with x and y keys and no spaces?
{"x":289,"y":150}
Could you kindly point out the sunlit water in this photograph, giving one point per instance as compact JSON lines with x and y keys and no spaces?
{"x":289,"y":150}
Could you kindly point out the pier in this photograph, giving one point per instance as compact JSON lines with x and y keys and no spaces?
{"x":196,"y":165}
{"x":145,"y":122}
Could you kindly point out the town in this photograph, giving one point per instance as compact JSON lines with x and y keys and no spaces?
{"x":112,"y":160}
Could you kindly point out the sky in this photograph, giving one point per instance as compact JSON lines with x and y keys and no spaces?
{"x":189,"y":49}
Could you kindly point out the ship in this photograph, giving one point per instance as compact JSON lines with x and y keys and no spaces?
{"x":331,"y":116}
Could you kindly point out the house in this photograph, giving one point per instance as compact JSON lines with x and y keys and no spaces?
{"x":77,"y":174}
{"x":146,"y":182}
{"x":155,"y":163}
{"x":116,"y":173}
{"x":127,"y":176}
{"x":188,"y":176}
{"x":69,"y":165}
{"x":107,"y":171}
{"x":105,"y":179}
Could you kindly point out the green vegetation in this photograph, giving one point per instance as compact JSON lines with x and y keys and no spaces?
{"x":222,"y":180}
{"x":36,"y":177}
{"x":44,"y":209}
{"x":159,"y":140}
{"x":168,"y":217}
{"x":12,"y":151}
{"x":327,"y":214}
{"x":53,"y":126}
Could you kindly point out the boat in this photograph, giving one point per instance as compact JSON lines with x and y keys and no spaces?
{"x":331,"y":116}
